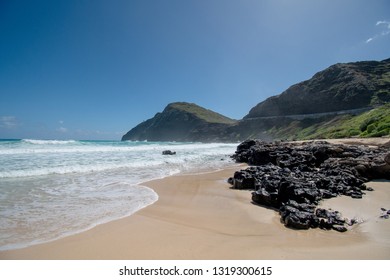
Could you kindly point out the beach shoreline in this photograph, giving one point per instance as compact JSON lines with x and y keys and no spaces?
{"x":198,"y":217}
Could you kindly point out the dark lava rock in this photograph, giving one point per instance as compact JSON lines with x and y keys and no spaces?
{"x":339,"y":228}
{"x":295,"y":177}
{"x":322,"y":213}
{"x":387,"y":158}
{"x":298,"y":216}
{"x":244,"y":179}
{"x":168,"y":152}
{"x":385,"y":213}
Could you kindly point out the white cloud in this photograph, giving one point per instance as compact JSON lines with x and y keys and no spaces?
{"x":382,"y":24}
{"x":387,"y":26}
{"x":62,"y":129}
{"x":8,"y":122}
{"x":369,"y":40}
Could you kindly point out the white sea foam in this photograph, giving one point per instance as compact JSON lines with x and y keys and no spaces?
{"x":49,"y":185}
{"x":48,"y":142}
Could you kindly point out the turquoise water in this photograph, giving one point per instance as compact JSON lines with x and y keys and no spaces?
{"x":54,"y":188}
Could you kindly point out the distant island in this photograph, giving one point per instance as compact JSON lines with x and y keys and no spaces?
{"x":344,"y":100}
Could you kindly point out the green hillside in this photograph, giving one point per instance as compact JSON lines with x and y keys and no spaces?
{"x":181,"y":121}
{"x":374,"y":123}
{"x":334,"y":103}
{"x":201,"y":113}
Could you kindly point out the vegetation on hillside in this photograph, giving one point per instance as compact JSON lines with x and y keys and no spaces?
{"x":324,"y":106}
{"x":374,"y":123}
{"x":343,"y":86}
{"x":200,"y":112}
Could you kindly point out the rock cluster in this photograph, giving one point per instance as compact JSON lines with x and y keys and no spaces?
{"x":295,"y":177}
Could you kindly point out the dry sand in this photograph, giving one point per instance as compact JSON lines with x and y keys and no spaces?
{"x":198,"y":217}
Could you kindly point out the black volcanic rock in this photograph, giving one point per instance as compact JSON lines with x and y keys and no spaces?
{"x":168,"y":153}
{"x":295,"y":177}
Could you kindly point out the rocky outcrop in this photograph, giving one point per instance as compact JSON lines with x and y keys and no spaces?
{"x":295,"y":177}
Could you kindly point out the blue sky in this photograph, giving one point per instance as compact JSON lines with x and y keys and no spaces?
{"x":94,"y":69}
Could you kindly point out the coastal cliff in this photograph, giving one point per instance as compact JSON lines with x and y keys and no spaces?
{"x":344,"y":100}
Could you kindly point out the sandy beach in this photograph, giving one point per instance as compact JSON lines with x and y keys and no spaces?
{"x":198,"y":216}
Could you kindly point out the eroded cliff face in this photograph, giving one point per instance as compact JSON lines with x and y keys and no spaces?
{"x":343,"y":86}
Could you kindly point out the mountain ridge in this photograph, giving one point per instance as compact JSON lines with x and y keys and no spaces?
{"x":332,"y":96}
{"x":181,"y":121}
{"x":342,"y":86}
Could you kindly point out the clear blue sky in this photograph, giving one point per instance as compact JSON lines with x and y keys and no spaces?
{"x":76,"y":69}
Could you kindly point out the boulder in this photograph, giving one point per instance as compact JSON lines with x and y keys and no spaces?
{"x":297,"y":216}
{"x":168,"y":152}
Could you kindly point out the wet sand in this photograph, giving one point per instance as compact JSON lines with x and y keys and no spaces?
{"x":198,"y":216}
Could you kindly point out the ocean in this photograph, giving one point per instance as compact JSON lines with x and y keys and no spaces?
{"x":53,"y":188}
